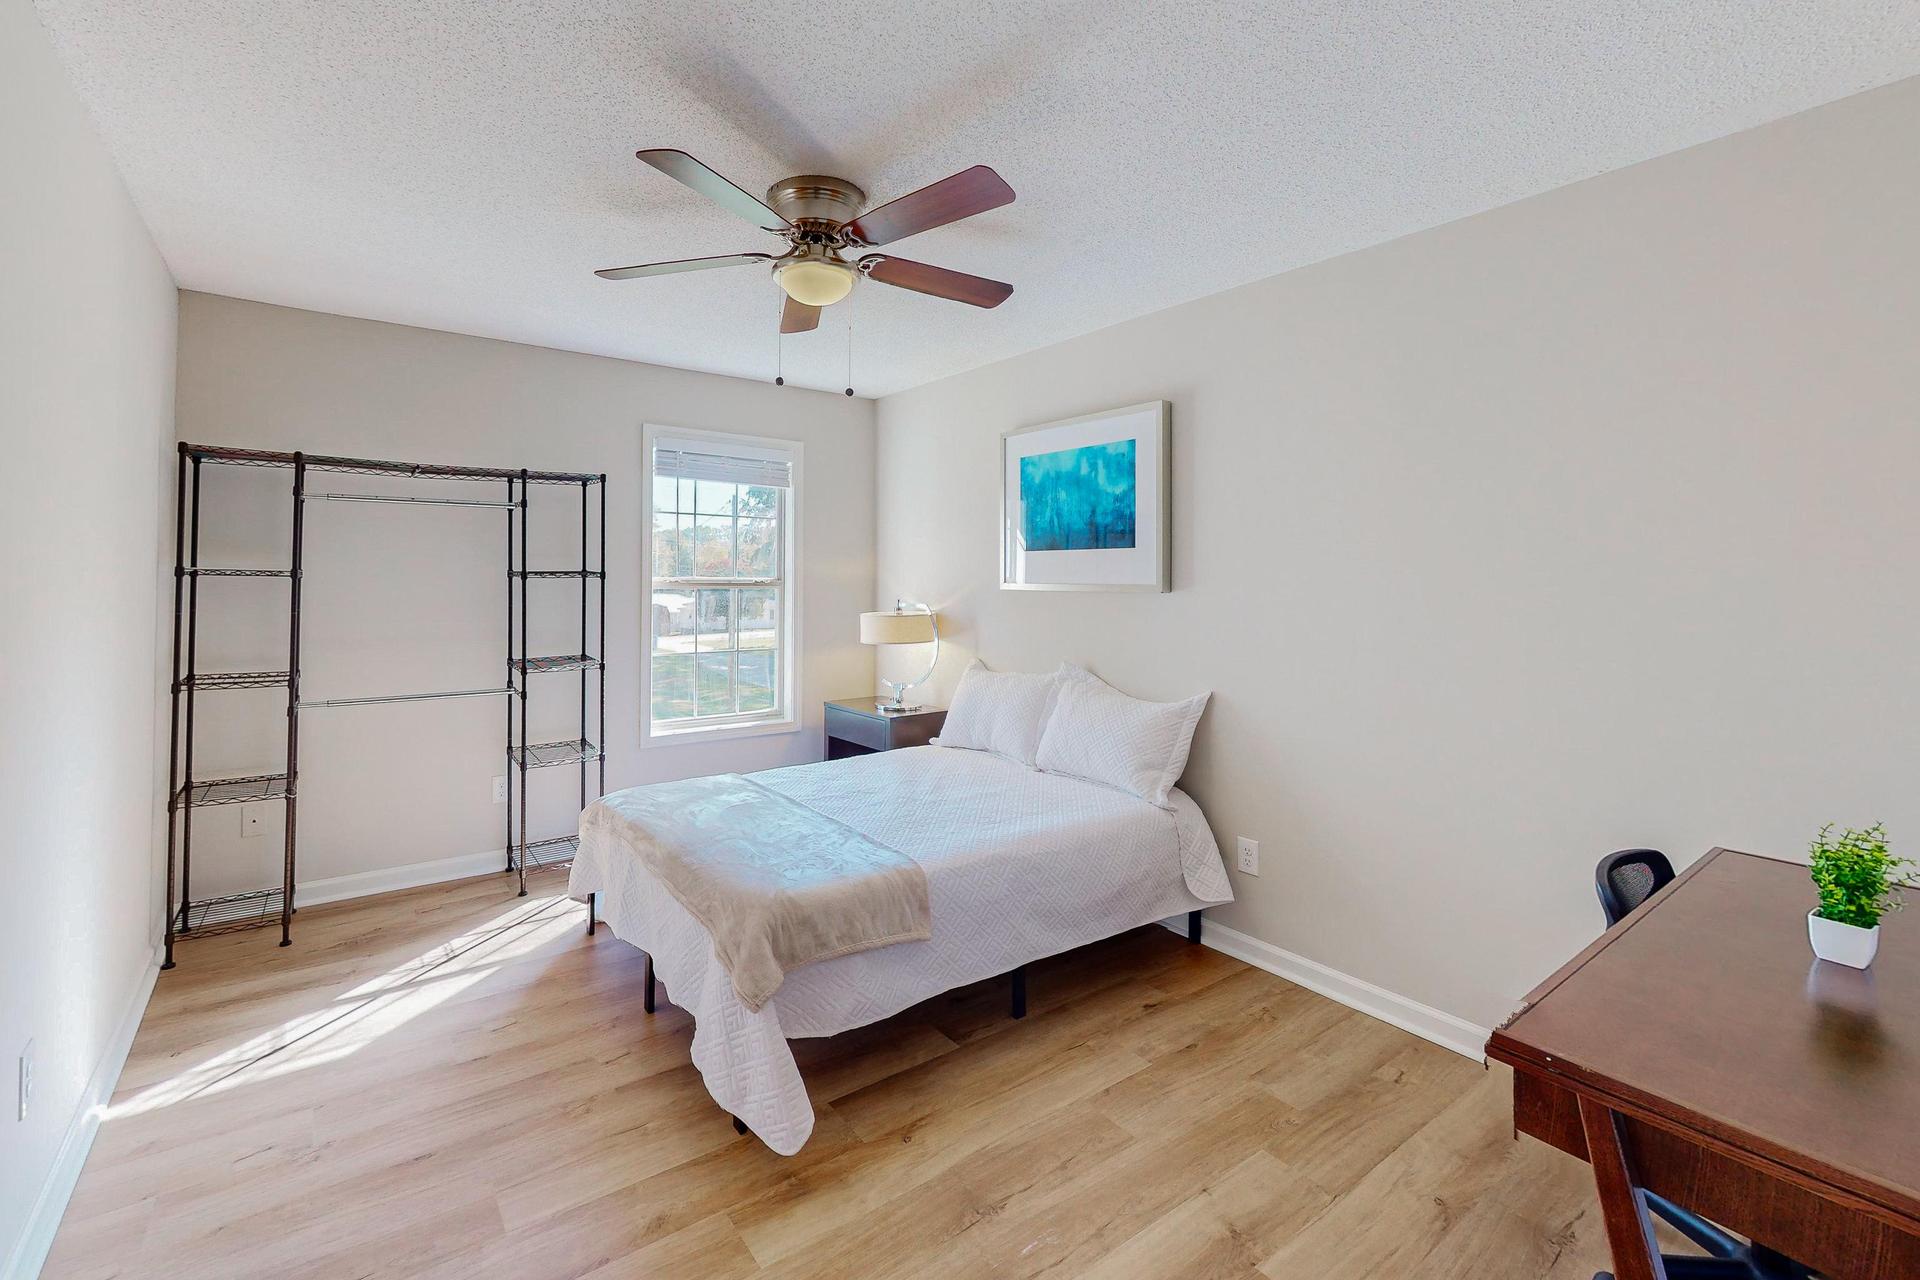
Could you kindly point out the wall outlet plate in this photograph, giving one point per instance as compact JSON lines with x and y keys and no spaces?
{"x":1248,"y":855}
{"x":500,"y":789}
{"x":26,"y":1078}
{"x":253,"y":819}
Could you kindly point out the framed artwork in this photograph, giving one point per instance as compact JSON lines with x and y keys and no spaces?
{"x":1086,"y":504}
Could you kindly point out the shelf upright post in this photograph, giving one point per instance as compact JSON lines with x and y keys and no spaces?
{"x":507,"y":750}
{"x":173,"y":731}
{"x":193,"y":634}
{"x":584,"y":582}
{"x":524,"y":682}
{"x":293,"y":696}
{"x":601,"y":652}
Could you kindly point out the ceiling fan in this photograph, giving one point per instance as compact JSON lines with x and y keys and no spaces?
{"x":819,"y":217}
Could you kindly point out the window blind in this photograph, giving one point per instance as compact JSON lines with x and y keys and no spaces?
{"x":685,"y":464}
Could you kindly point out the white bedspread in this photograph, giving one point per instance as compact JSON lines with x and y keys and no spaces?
{"x":1020,"y":865}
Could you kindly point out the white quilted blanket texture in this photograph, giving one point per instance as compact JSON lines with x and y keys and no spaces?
{"x":1020,"y":865}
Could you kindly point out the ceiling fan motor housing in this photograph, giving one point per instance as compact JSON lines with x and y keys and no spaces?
{"x":815,"y":198}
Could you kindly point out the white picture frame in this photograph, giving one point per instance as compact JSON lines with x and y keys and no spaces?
{"x":1145,"y":561}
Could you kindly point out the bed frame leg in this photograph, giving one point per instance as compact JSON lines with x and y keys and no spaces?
{"x":1193,"y":927}
{"x":591,"y":898}
{"x":739,"y":1125}
{"x":1020,"y":992}
{"x":648,"y":999}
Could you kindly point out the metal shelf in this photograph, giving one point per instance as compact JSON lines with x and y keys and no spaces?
{"x":544,"y":755}
{"x":542,"y":854}
{"x":187,"y":915}
{"x":559,"y":662}
{"x":230,"y":913}
{"x":524,"y":854}
{"x":205,"y":571}
{"x":381,"y":467}
{"x":235,"y":680}
{"x":213,"y":791}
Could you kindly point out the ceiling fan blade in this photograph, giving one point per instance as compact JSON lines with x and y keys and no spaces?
{"x":798,"y":317}
{"x":683,"y":168}
{"x":966,"y":193}
{"x":938,"y":281}
{"x":681,"y":264}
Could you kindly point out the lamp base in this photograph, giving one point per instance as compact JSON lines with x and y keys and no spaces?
{"x":893,"y":709}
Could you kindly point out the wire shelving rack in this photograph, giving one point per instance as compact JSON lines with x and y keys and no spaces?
{"x":525,"y":855}
{"x":187,"y":916}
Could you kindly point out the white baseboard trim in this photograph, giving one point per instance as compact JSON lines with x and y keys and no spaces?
{"x":311,"y":893}
{"x":30,"y":1251}
{"x":1422,"y":1020}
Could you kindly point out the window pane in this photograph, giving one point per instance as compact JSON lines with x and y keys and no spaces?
{"x":663,"y":495}
{"x":759,"y":501}
{"x":672,"y":687}
{"x":758,"y":616}
{"x":756,"y":680}
{"x":716,"y":620}
{"x":683,"y":553}
{"x":713,"y":680}
{"x":672,"y":621}
{"x":711,"y":498}
{"x":759,"y":543}
{"x":713,"y":547}
{"x":666,"y":546}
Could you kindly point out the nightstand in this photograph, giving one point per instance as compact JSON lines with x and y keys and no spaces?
{"x":855,"y":727}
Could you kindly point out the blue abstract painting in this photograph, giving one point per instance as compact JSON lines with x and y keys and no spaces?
{"x":1078,"y":499}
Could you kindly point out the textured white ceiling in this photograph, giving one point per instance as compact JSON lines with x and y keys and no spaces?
{"x":466,"y":166}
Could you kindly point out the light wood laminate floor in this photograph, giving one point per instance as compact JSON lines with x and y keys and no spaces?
{"x":453,"y":1082}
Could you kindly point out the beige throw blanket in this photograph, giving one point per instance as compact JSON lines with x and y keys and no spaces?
{"x":777,"y":884}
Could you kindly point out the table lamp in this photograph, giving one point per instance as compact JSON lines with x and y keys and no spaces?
{"x":909,"y":622}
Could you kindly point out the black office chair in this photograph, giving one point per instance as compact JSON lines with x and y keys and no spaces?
{"x":1624,"y":880}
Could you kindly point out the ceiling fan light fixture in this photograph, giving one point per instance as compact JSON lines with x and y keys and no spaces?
{"x":814,"y":282}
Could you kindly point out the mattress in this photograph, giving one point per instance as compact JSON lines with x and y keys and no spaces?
{"x":1020,"y":865}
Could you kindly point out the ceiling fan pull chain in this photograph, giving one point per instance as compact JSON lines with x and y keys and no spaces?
{"x":849,"y":346}
{"x":780,"y":347}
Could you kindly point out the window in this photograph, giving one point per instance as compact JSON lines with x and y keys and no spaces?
{"x":719,"y":631}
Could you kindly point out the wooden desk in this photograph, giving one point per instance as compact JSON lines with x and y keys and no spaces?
{"x":1697,"y":1050}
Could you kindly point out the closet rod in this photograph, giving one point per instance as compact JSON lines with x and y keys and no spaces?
{"x":425,"y":502}
{"x":407,"y":697}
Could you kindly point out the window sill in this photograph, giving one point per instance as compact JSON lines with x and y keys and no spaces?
{"x":658,"y":737}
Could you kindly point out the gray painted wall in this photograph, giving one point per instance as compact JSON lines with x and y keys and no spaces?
{"x":401,"y":599}
{"x":1583,"y":523}
{"x":87,"y":314}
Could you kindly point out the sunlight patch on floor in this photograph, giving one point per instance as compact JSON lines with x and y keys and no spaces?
{"x":358,"y":1017}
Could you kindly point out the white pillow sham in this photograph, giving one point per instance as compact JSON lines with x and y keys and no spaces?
{"x":1100,"y":734}
{"x":999,"y":711}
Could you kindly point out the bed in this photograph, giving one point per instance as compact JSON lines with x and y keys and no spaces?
{"x":1020,"y":865}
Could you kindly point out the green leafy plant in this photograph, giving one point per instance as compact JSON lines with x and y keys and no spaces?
{"x":1857,"y":875}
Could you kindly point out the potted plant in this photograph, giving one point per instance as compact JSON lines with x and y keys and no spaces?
{"x":1858,"y":879}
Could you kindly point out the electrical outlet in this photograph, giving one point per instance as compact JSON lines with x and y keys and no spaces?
{"x":26,"y":1078}
{"x":1249,"y":856}
{"x":500,"y":789}
{"x":253,"y":819}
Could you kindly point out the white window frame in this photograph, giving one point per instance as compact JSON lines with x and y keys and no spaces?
{"x":785,"y":717}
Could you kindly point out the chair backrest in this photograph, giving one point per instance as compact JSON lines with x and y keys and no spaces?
{"x":1628,"y":878}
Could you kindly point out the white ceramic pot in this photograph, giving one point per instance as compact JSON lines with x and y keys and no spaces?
{"x":1846,"y":944}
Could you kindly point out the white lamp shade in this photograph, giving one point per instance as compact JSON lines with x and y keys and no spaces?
{"x":896,"y":628}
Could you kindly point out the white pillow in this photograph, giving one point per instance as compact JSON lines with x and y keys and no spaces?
{"x":1098,"y":733}
{"x":998,"y":711}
